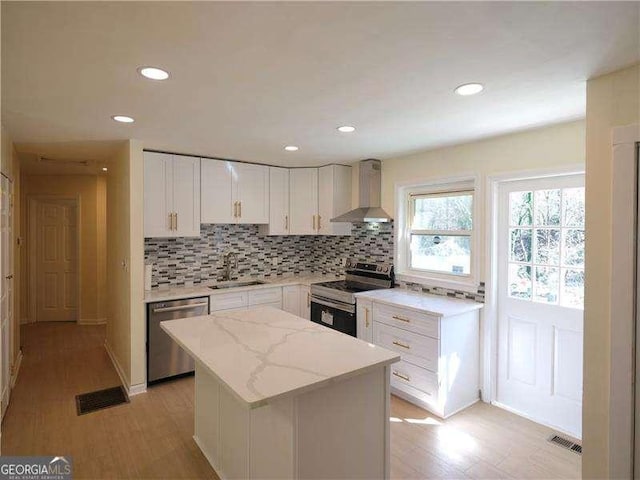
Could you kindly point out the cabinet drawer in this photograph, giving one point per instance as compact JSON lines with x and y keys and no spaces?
{"x":404,"y":375}
{"x":265,"y":295}
{"x":229,"y":300}
{"x":417,"y":322}
{"x":417,"y":349}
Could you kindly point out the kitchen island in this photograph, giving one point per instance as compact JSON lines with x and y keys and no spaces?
{"x":280,"y":397}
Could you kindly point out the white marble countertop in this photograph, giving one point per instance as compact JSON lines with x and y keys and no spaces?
{"x":202,"y":290}
{"x":263,"y":353}
{"x":438,"y":305}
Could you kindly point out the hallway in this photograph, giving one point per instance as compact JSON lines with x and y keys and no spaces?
{"x":147,"y":438}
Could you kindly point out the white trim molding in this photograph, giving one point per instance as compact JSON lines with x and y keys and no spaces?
{"x":131,"y":389}
{"x":92,"y":321}
{"x":15,"y":369}
{"x":623,"y":308}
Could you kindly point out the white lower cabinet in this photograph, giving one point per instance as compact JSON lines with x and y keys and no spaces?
{"x":228,"y":301}
{"x":305,"y":302}
{"x":291,"y":299}
{"x":440,"y":355}
{"x":364,"y":317}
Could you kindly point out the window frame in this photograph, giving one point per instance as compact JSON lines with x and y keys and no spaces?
{"x":404,"y":210}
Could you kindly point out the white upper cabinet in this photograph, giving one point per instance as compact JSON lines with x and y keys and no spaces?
{"x":278,"y":202}
{"x":234,"y":192}
{"x":334,"y":198}
{"x":171,"y":195}
{"x":303,"y":201}
{"x":251,"y":191}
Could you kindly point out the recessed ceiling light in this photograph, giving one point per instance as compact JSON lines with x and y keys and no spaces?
{"x":469,"y":89}
{"x":123,"y":119}
{"x":291,"y":148}
{"x":104,"y":169}
{"x":153,"y":73}
{"x":346,"y":129}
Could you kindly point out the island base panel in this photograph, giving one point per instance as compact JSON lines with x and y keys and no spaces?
{"x":338,"y":431}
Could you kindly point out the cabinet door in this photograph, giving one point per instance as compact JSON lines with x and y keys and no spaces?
{"x":216,"y":192}
{"x":251,"y":191}
{"x":334,"y":198}
{"x":303,"y":201}
{"x":305,"y":302}
{"x":278,"y":201}
{"x":291,"y":299}
{"x":364,"y":318}
{"x":157,"y":194}
{"x":186,"y":196}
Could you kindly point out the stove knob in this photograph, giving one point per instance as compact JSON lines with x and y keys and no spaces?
{"x":379,"y":268}
{"x":386,"y":269}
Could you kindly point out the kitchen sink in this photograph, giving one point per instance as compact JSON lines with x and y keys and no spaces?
{"x":240,"y":283}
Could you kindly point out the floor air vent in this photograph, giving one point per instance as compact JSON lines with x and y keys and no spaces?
{"x":110,"y":397}
{"x":566,"y":443}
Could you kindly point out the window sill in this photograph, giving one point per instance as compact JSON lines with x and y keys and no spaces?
{"x":468,"y":285}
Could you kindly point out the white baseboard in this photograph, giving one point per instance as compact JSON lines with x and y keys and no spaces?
{"x":131,"y":389}
{"x":137,"y":389}
{"x":16,"y":369}
{"x":92,"y":321}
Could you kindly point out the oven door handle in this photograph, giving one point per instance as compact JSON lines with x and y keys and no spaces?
{"x":327,"y":303}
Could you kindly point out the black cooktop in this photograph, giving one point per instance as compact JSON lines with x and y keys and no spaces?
{"x":344,"y":286}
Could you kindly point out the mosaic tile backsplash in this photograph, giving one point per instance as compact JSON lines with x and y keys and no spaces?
{"x":186,"y":261}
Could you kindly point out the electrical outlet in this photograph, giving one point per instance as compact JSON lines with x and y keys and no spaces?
{"x":344,"y":262}
{"x":274,"y":261}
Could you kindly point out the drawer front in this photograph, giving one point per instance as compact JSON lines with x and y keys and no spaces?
{"x":265,"y":295}
{"x":226,"y":301}
{"x":411,"y":320}
{"x":407,"y":377}
{"x":417,"y":349}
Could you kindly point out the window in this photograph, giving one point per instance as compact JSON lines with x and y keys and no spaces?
{"x":441,"y":232}
{"x":546,"y":246}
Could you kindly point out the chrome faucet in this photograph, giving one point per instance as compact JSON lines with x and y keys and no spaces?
{"x":228,"y":258}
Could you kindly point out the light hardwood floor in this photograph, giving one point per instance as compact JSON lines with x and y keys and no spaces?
{"x":151,"y":436}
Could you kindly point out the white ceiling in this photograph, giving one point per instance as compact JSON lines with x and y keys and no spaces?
{"x":248,"y":78}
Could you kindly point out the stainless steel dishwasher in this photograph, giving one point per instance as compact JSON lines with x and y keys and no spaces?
{"x":165,"y":358}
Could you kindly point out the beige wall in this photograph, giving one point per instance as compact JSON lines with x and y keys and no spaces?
{"x":125,"y":263}
{"x":90,"y":191}
{"x":612,"y":100}
{"x":553,"y":146}
{"x":10,"y":166}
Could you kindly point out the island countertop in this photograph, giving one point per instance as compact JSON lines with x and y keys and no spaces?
{"x":263,"y":354}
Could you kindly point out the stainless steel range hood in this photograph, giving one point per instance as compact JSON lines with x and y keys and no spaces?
{"x":370,"y":191}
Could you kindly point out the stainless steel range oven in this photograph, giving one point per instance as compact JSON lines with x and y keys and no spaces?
{"x":333,"y":304}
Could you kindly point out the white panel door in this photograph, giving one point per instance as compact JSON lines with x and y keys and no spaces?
{"x":157,"y":194}
{"x":303,"y":201}
{"x":56,"y":261}
{"x":186,"y":196}
{"x":291,"y":299}
{"x":334,"y":198}
{"x":6,"y":290}
{"x":278,"y":201}
{"x":251,"y":184}
{"x":216,"y":196}
{"x":540,"y":300}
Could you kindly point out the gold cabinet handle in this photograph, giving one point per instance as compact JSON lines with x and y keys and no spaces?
{"x":403,"y":345}
{"x":308,"y":299}
{"x":402,"y":319}
{"x":404,"y":377}
{"x":171,"y":221}
{"x":286,"y":222}
{"x":240,"y":209}
{"x":319,"y":223}
{"x":235,"y":209}
{"x":314,"y":223}
{"x":175,"y":227}
{"x":366,"y":317}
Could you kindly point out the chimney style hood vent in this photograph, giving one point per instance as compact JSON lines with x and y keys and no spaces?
{"x":370,"y":191}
